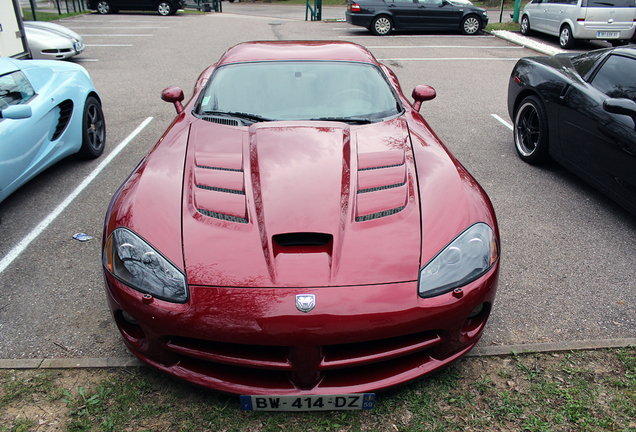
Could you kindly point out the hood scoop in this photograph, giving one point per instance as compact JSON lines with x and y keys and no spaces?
{"x":300,"y":204}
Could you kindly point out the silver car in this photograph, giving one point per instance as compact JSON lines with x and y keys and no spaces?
{"x":610,"y":20}
{"x":51,"y":41}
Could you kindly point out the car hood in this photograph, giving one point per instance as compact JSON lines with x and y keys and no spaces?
{"x":44,"y":29}
{"x":308,"y":204}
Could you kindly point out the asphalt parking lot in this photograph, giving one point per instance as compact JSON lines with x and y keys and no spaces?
{"x":568,"y":252}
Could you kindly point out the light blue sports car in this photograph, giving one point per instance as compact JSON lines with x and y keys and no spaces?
{"x":48,"y":111}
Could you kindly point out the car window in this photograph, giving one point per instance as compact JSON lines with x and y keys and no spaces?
{"x":14,"y":89}
{"x":608,"y":3}
{"x":583,"y":63}
{"x":617,"y":77}
{"x":300,"y":90}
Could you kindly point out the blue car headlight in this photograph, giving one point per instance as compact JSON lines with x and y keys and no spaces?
{"x":466,"y":258}
{"x":137,"y":264}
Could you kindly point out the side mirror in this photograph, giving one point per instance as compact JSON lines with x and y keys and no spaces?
{"x":621,"y":106}
{"x":422,"y":93}
{"x":173,"y":95}
{"x":16,"y":112}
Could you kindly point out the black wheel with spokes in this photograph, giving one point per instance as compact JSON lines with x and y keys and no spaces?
{"x":531,"y":131}
{"x":93,"y":130}
{"x":103,"y":7}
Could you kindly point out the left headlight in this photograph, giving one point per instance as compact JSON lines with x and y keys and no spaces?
{"x":133,"y":261}
{"x":465,"y":259}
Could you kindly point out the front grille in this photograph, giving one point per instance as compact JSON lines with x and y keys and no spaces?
{"x":303,"y":367}
{"x":66,"y":110}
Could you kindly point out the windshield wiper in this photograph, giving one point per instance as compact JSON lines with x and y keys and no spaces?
{"x":351,"y":120}
{"x":248,"y":116}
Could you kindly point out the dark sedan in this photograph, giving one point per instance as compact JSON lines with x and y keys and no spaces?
{"x":384,"y":16}
{"x":164,"y":7}
{"x":581,"y":111}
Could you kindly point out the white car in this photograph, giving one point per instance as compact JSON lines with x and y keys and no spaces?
{"x":52,"y":41}
{"x":610,"y":20}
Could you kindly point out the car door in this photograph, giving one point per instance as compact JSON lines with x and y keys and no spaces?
{"x":24,"y":140}
{"x":440,"y":15}
{"x":537,"y":10}
{"x":405,"y":13}
{"x":556,"y":10}
{"x":600,"y":143}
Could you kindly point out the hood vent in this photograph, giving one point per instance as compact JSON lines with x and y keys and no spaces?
{"x":66,"y":110}
{"x":222,"y":120}
{"x":379,"y":214}
{"x":382,"y":189}
{"x":219,"y":187}
{"x":222,"y":216}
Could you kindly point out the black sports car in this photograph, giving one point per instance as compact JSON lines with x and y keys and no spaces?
{"x":581,"y":111}
{"x":384,"y":16}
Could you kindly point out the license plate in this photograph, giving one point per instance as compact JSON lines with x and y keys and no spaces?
{"x":308,"y":403}
{"x":606,"y":34}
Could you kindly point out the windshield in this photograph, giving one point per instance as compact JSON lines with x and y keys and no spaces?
{"x":292,"y":90}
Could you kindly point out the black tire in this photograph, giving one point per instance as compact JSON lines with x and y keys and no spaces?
{"x":93,"y":130}
{"x":531,"y":131}
{"x":525,"y":25}
{"x":103,"y":7}
{"x":381,"y":25}
{"x":470,"y":25}
{"x":164,"y":8}
{"x":617,"y":43}
{"x":566,"y":40}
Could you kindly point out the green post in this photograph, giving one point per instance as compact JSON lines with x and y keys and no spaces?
{"x":515,"y":15}
{"x":33,"y":9}
{"x":318,"y":8}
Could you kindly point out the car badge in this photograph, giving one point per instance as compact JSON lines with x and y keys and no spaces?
{"x":305,"y":302}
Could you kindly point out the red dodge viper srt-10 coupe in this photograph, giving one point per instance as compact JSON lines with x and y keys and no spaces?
{"x":300,"y":230}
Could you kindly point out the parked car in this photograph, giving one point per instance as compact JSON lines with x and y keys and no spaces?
{"x":581,"y":110}
{"x":292,"y":233}
{"x":48,"y":110}
{"x":164,"y":7}
{"x":381,"y":17}
{"x":52,"y":41}
{"x":570,"y":20}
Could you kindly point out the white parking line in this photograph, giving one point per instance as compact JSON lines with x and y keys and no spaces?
{"x":107,"y":45}
{"x":120,"y":27}
{"x":24,"y":243}
{"x":117,"y":35}
{"x":502,"y":121}
{"x":85,"y":59}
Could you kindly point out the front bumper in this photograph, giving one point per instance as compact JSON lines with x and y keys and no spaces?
{"x":254,"y":340}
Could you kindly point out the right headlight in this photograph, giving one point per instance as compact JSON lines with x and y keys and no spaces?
{"x":465,"y":259}
{"x":133,"y":261}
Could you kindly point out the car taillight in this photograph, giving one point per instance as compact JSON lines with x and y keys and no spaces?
{"x":355,"y":7}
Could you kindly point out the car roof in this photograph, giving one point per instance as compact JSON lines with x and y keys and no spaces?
{"x":7,"y":65}
{"x":297,"y":50}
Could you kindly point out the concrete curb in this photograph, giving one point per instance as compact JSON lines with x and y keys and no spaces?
{"x":489,"y":351}
{"x":519,"y":39}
